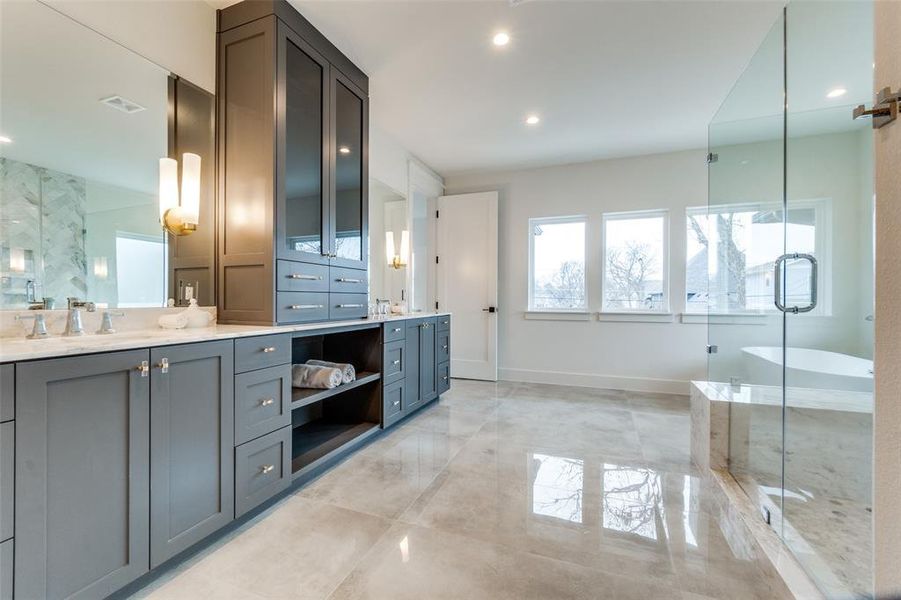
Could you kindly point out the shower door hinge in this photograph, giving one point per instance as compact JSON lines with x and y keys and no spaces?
{"x":767,"y":518}
{"x":712,"y":158}
{"x":884,"y":111}
{"x":712,"y":349}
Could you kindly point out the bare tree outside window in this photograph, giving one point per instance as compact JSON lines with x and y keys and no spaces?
{"x":557,"y":264}
{"x":634,"y":261}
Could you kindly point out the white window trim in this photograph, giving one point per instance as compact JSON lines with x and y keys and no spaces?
{"x":530,"y":282}
{"x":557,"y":315}
{"x":822,"y":249}
{"x":636,"y":214}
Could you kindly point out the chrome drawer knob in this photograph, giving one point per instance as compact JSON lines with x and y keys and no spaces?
{"x":267,"y":402}
{"x":396,"y":330}
{"x":164,"y":365}
{"x":396,"y":362}
{"x":269,"y":349}
{"x":144,"y":368}
{"x":265,"y":469}
{"x":444,"y":347}
{"x":445,"y":378}
{"x":396,"y":402}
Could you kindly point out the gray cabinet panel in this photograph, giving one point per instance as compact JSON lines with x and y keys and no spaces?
{"x":393,"y":331}
{"x":262,"y":469}
{"x":444,"y":323}
{"x":262,"y":402}
{"x":443,"y":346}
{"x":7,"y":478}
{"x":411,"y":380}
{"x":7,"y":392}
{"x":302,"y":307}
{"x":348,"y":281}
{"x":191,"y":445}
{"x":394,"y":357}
{"x":348,"y":306}
{"x":443,"y":377}
{"x":292,"y":276}
{"x":394,"y":403}
{"x":428,"y":373}
{"x":262,"y":351}
{"x":82,"y":475}
{"x":7,"y":555}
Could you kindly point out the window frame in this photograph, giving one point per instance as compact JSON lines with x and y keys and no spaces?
{"x":822,"y":250}
{"x":533,"y":221}
{"x":666,"y":308}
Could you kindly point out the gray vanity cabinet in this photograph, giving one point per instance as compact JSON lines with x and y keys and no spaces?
{"x":191,"y":445}
{"x":421,"y":369}
{"x":82,"y":475}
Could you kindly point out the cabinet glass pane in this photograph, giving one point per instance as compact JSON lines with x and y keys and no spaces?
{"x":303,"y":153}
{"x":348,"y":174}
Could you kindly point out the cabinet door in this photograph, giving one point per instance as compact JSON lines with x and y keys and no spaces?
{"x":82,"y":475}
{"x":349,"y":176}
{"x":428,"y":366}
{"x":191,"y":445}
{"x":302,"y":217}
{"x":411,"y":377}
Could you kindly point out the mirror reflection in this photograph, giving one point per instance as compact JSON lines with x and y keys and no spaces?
{"x":389,"y":252}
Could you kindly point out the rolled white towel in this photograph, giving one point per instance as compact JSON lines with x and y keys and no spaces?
{"x":314,"y":376}
{"x":348,"y":373}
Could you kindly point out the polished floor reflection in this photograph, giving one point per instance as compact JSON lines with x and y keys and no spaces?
{"x":498,"y":491}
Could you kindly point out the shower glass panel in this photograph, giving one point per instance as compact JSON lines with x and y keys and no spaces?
{"x":827,"y":519}
{"x":737,"y":240}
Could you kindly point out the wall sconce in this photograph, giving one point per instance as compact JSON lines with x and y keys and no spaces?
{"x":180,"y":218}
{"x":397,"y":260}
{"x":101,"y":267}
{"x":17,"y":260}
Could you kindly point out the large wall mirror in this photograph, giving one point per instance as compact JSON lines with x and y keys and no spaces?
{"x":84,"y":122}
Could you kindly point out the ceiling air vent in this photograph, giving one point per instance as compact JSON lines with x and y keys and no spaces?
{"x":123,"y":104}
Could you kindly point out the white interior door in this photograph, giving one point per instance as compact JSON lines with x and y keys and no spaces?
{"x":467,"y":281}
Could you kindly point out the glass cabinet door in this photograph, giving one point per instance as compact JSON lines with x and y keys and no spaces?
{"x":303,"y":222}
{"x":349,"y":180}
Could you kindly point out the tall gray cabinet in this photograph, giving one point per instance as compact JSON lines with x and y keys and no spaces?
{"x":293,"y":118}
{"x":123,"y":459}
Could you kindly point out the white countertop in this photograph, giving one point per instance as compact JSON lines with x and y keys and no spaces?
{"x":18,"y":349}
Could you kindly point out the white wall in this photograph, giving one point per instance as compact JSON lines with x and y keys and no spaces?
{"x":638,"y":356}
{"x":179,"y":35}
{"x":665,"y":356}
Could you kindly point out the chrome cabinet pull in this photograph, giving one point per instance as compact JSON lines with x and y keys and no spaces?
{"x":267,"y":469}
{"x":305,"y":306}
{"x":350,"y":306}
{"x":269,"y":349}
{"x":396,"y":330}
{"x":267,"y":402}
{"x":144,"y":368}
{"x":396,"y":402}
{"x":445,"y":378}
{"x":164,"y":365}
{"x":345,"y":280}
{"x":396,"y":362}
{"x":444,"y":347}
{"x":305,"y":277}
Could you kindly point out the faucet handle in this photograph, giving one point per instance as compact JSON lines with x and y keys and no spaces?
{"x":39,"y":331}
{"x":106,"y":321}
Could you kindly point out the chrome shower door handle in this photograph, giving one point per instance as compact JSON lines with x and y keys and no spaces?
{"x":777,"y":288}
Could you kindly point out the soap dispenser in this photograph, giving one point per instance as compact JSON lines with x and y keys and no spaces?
{"x":196,"y":317}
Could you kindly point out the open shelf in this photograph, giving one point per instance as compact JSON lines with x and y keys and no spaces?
{"x":305,"y":396}
{"x":316,"y":441}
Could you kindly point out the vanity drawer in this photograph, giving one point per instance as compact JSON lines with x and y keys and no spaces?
{"x":393,"y":396}
{"x":442,"y":351}
{"x":261,"y":352}
{"x":443,"y":377}
{"x":7,"y":478}
{"x":6,"y":569}
{"x":348,"y":281}
{"x":302,"y":307}
{"x":262,"y":469}
{"x":393,"y":361}
{"x":393,"y":331}
{"x":7,"y":392}
{"x":443,"y":323}
{"x":301,"y":277}
{"x":348,"y":306}
{"x":262,"y":402}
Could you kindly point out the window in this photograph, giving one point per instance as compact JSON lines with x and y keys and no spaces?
{"x":136,"y":256}
{"x":635,"y":262}
{"x":731,"y":251}
{"x":557,"y":264}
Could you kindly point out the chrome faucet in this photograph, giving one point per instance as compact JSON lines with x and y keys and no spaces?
{"x":106,"y":322}
{"x":74,"y":325}
{"x":39,"y":331}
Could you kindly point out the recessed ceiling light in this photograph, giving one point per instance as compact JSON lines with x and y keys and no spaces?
{"x":501,"y":38}
{"x":532,"y":120}
{"x":837,"y":92}
{"x":5,"y":140}
{"x":344,"y":150}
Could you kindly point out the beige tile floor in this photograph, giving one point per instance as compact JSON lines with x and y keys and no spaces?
{"x":498,"y":491}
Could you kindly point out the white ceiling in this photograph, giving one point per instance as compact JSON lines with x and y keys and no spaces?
{"x":608,"y":79}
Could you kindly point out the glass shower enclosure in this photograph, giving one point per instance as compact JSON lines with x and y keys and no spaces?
{"x":788,"y":242}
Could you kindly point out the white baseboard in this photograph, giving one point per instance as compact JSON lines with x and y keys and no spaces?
{"x":612,"y":382}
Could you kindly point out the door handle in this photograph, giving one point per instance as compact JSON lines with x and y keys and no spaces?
{"x":777,"y":288}
{"x":490,"y":309}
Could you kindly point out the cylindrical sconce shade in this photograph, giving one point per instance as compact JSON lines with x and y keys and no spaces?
{"x":101,"y":267}
{"x":190,"y":187}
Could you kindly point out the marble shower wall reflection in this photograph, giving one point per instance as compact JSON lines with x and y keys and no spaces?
{"x":42,"y":228}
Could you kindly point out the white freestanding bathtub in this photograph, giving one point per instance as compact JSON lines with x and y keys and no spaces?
{"x":808,"y":368}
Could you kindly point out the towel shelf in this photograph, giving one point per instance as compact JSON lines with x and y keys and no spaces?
{"x":305,"y":396}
